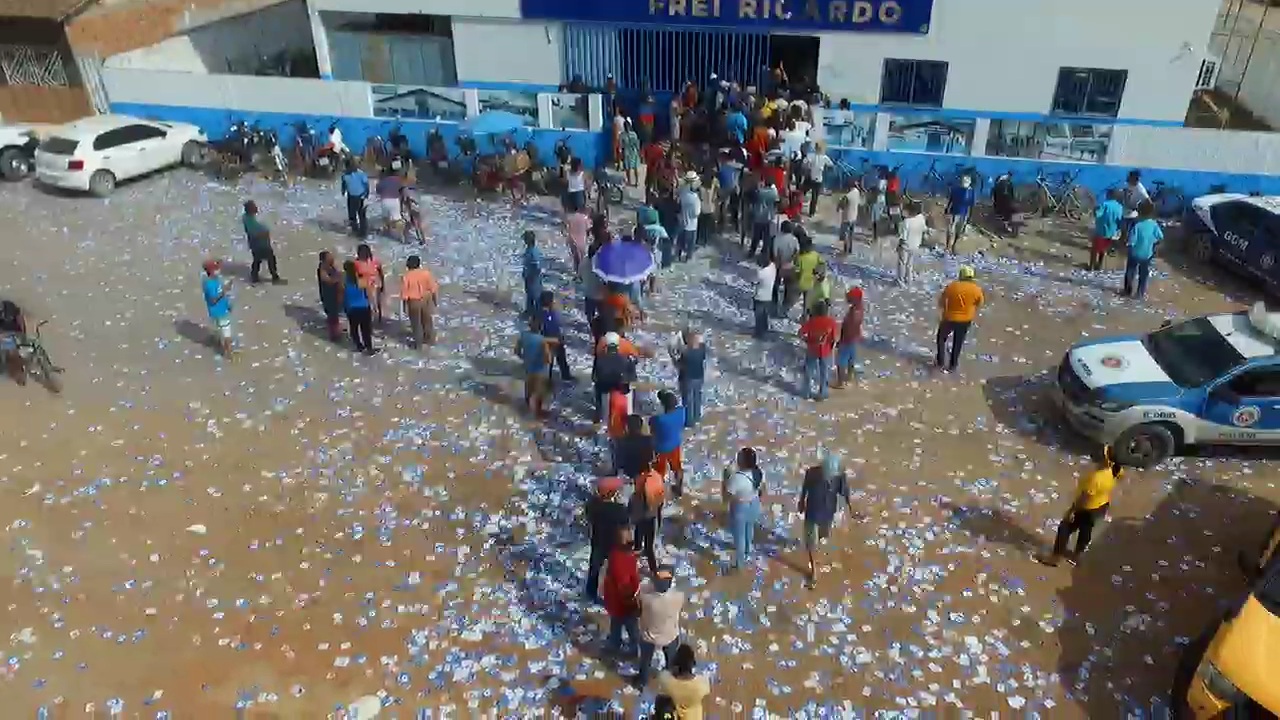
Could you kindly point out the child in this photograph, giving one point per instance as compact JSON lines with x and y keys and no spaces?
{"x":850,"y":334}
{"x":369,"y":270}
{"x":668,"y":429}
{"x":535,"y":350}
{"x":218,"y":303}
{"x":551,"y":330}
{"x":411,"y":213}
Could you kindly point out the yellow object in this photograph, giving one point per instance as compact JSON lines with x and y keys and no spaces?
{"x":960,"y":301}
{"x":1242,"y":658}
{"x":1094,"y":489}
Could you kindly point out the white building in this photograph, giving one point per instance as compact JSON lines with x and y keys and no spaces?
{"x":1135,"y":60}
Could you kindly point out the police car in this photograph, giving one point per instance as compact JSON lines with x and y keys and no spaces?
{"x":1210,"y":380}
{"x":1242,"y":231}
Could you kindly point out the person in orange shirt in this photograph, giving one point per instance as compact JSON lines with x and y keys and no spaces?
{"x":959,"y":303}
{"x":419,"y":292}
{"x":369,"y":271}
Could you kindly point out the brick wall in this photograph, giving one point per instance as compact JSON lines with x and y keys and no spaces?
{"x":114,"y":28}
{"x":31,"y":103}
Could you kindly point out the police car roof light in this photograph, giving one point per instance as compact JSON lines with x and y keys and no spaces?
{"x":1264,"y":321}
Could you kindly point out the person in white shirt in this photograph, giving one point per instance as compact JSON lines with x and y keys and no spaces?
{"x":792,"y":141}
{"x":660,"y":608}
{"x":762,"y":301}
{"x":911,"y":234}
{"x":848,"y":205}
{"x":743,"y":487}
{"x":690,"y":209}
{"x":1135,"y":193}
{"x":815,"y":166}
{"x":576,"y":190}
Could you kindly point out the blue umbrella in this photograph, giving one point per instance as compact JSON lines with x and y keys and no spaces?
{"x":623,"y":262}
{"x":493,"y":122}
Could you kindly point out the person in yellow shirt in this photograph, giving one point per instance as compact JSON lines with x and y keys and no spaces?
{"x":959,"y":303}
{"x":1093,"y":498}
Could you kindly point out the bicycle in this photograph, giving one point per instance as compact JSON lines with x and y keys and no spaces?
{"x":1063,"y":197}
{"x":933,"y":183}
{"x":1169,"y":201}
{"x":36,"y":358}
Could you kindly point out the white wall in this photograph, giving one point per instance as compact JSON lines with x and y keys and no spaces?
{"x":1005,"y":55}
{"x":471,"y":8}
{"x":241,"y":39}
{"x":1204,"y":150}
{"x":239,"y":92}
{"x":501,"y":50}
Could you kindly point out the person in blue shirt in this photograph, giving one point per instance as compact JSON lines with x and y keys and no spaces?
{"x":219,"y":304}
{"x":355,"y":301}
{"x":736,"y":125}
{"x":531,"y":271}
{"x":1106,"y":228}
{"x":1143,"y":238}
{"x":667,"y":429}
{"x":729,"y":175}
{"x":551,"y":330}
{"x":355,"y":186}
{"x":535,"y":350}
{"x":959,"y":203}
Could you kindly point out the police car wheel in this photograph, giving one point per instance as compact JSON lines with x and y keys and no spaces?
{"x":1202,"y":248}
{"x":1144,"y":445}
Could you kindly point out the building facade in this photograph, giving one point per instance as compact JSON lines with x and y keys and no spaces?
{"x":1131,"y":61}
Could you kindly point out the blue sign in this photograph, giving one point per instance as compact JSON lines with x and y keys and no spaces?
{"x":896,"y":16}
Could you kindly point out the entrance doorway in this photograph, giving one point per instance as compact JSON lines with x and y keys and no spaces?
{"x":798,"y":54}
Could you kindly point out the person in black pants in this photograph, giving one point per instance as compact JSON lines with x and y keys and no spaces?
{"x":259,"y":244}
{"x":646,"y":517}
{"x":959,"y":303}
{"x":551,"y":329}
{"x":355,"y":185}
{"x":1093,"y":499}
{"x":606,"y":517}
{"x":355,"y":299}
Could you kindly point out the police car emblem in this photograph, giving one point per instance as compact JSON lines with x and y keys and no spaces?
{"x":1113,"y":362}
{"x":1266,"y":261}
{"x":1246,"y":416}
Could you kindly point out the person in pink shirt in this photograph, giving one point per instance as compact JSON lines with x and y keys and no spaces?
{"x":577,"y":225}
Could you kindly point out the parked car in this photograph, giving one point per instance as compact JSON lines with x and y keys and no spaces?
{"x":1233,"y":669}
{"x":96,"y":153}
{"x":1212,"y":380}
{"x":1240,"y":231}
{"x":17,"y":151}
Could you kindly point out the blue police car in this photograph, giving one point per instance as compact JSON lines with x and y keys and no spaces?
{"x":1241,"y":231}
{"x":1210,"y":380}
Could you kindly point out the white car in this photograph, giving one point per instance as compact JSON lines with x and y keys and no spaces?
{"x":95,"y":153}
{"x":17,"y":149}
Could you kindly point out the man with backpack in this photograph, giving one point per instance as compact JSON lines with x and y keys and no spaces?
{"x":646,"y":512}
{"x":614,"y":368}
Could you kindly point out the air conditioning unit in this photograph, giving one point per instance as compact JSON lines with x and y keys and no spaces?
{"x":1208,"y":75}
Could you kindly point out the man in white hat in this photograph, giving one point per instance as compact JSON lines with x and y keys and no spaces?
{"x":690,"y":209}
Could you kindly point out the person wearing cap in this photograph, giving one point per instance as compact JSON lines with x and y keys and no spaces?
{"x":660,"y":608}
{"x":850,"y":334}
{"x":606,"y":518}
{"x":218,"y":303}
{"x":1093,"y":499}
{"x":819,"y":333}
{"x":613,"y":370}
{"x":959,"y":303}
{"x":621,"y":593}
{"x":820,"y":493}
{"x":690,"y":210}
{"x":959,"y":204}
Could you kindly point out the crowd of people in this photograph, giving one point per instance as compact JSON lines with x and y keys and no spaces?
{"x":735,"y":166}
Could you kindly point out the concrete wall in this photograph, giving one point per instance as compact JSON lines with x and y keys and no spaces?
{"x":505,"y":50}
{"x":1005,"y":55}
{"x":1196,"y":149}
{"x":231,"y":45}
{"x":238,"y":93}
{"x":468,"y":8}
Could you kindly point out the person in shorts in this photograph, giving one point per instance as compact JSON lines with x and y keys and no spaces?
{"x":535,"y":351}
{"x":1106,"y":228}
{"x":667,"y":429}
{"x":824,"y":486}
{"x":219,"y":305}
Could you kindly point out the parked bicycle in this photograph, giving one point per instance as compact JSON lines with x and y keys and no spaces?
{"x":1059,"y":195}
{"x":37,"y":360}
{"x":609,"y":184}
{"x":1168,"y":200}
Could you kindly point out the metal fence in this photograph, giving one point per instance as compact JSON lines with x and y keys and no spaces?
{"x":662,"y":59}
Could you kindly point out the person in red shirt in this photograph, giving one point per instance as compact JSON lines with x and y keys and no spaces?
{"x":820,"y":333}
{"x":776,"y":171}
{"x":653,"y":154}
{"x":621,"y":591}
{"x":794,"y":205}
{"x":850,"y":334}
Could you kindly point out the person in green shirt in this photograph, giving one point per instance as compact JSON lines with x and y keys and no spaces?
{"x":806,"y":264}
{"x":820,"y":291}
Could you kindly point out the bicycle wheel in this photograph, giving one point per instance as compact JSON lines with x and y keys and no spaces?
{"x":49,"y":373}
{"x":1032,"y":198}
{"x":1081,"y":202}
{"x":1169,"y":202}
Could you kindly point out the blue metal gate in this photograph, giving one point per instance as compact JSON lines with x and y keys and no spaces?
{"x":664,"y":58}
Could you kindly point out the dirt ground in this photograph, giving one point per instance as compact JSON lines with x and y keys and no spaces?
{"x":285,"y":534}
